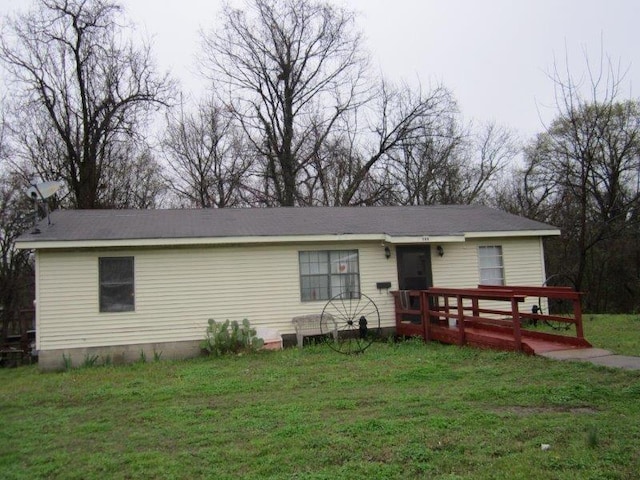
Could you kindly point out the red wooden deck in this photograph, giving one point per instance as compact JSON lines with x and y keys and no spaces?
{"x":457,"y":316}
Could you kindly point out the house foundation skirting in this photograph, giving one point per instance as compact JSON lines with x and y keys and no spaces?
{"x":64,"y":358}
{"x":61,"y":359}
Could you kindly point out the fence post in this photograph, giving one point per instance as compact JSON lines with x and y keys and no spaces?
{"x":461,"y":339}
{"x":515,"y":315}
{"x":475,"y":307}
{"x":577,"y":316}
{"x":447,"y":310}
{"x":425,"y":314}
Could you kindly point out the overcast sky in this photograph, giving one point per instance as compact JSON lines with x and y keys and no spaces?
{"x":494,"y":55}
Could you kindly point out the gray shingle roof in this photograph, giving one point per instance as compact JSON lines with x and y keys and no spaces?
{"x":78,"y":225}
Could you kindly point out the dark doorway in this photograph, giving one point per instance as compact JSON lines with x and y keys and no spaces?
{"x":414,"y":273}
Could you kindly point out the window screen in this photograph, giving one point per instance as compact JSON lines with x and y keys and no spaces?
{"x":491,"y":265}
{"x":116,"y":284}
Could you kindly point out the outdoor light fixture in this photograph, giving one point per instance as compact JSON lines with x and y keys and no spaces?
{"x":440,"y":250}
{"x":387,"y":252}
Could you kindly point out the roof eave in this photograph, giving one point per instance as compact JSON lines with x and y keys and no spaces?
{"x":514,"y":233}
{"x":274,"y":239}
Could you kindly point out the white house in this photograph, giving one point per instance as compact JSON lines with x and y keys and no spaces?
{"x":120,"y":282}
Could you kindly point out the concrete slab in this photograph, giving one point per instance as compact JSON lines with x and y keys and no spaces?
{"x":597,"y":356}
{"x":576,"y":354}
{"x":618,"y":361}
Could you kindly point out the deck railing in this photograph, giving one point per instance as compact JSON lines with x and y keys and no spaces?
{"x":448,"y":314}
{"x":463,"y":306}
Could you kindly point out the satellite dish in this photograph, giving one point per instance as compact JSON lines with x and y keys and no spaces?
{"x":44,"y":190}
{"x":40,"y":192}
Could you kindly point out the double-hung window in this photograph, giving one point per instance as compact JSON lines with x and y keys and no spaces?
{"x":117,"y":292}
{"x":327,"y":273}
{"x":491,"y":265}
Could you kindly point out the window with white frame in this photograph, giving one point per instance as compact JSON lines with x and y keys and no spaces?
{"x":327,"y":273}
{"x":491,"y":265}
{"x":116,"y":279}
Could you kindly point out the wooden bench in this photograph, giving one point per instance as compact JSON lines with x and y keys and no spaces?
{"x":309,"y":325}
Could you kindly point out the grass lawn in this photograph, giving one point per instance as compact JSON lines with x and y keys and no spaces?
{"x":618,"y":333}
{"x":406,"y":410}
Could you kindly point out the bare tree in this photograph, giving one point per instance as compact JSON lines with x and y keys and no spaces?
{"x":295,"y":76}
{"x":293,"y":68}
{"x":83,"y":92}
{"x":15,"y":267}
{"x":493,"y":148}
{"x":133,"y":179}
{"x":451,"y":164}
{"x":4,"y":154}
{"x":398,"y":116}
{"x":208,"y":158}
{"x":583,"y":174}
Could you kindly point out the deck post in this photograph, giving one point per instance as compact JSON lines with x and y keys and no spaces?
{"x":461,"y":335}
{"x":447,"y":309}
{"x":396,"y":301}
{"x":425,"y":314}
{"x":515,"y":315}
{"x":577,"y":316}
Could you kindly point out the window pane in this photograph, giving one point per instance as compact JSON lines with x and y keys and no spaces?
{"x":116,"y":270}
{"x":313,"y":263}
{"x":348,"y":285}
{"x":339,"y":264}
{"x":489,"y":262}
{"x":491,"y":250}
{"x":116,"y":298}
{"x":492,"y":276}
{"x":491,"y":265}
{"x":304,"y":263}
{"x":315,"y":287}
{"x":324,"y":274}
{"x":344,"y":261}
{"x":116,"y":284}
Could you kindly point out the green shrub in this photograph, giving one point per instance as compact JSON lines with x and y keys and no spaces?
{"x":230,"y":337}
{"x":90,"y":360}
{"x":66,"y":361}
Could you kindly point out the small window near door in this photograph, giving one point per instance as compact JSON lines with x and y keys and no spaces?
{"x":327,"y":273}
{"x":491,"y":265}
{"x":116,"y":284}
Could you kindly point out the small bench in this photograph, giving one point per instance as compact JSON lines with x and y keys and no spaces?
{"x":309,"y":325}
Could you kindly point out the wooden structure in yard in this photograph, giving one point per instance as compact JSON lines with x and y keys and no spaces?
{"x":489,"y":317}
{"x":18,"y":337}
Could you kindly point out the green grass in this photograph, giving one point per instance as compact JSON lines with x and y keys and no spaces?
{"x":404,"y":410}
{"x":618,"y":333}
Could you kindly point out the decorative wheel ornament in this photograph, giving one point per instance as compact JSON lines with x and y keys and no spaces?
{"x":557,"y":306}
{"x":350,"y":322}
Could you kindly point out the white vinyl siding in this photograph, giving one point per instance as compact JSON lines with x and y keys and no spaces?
{"x":179,"y":289}
{"x":523,"y":262}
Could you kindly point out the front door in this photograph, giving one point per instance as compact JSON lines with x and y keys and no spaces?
{"x":414,"y":272}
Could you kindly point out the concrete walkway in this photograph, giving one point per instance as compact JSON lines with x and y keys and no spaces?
{"x":597,"y":356}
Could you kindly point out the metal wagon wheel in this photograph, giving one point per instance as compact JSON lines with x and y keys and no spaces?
{"x":350,"y":322}
{"x":556,"y":307}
